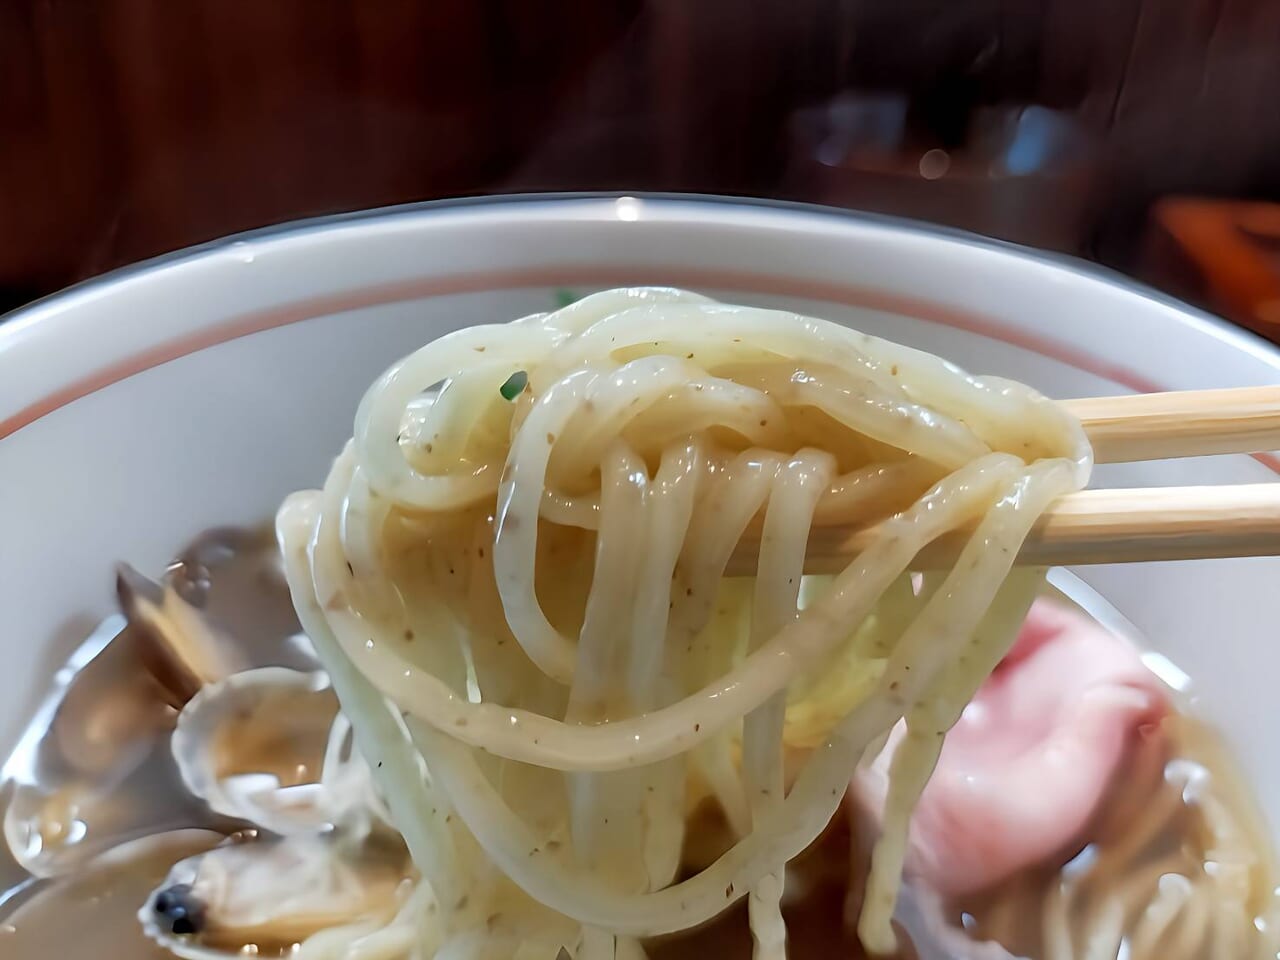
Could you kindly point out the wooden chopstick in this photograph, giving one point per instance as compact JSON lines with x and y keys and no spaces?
{"x":1189,"y":423}
{"x":1124,"y":526}
{"x":1094,"y":526}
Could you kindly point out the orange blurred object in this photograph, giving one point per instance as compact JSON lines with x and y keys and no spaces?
{"x":1224,"y":254}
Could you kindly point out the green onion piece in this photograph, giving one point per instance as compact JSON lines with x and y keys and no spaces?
{"x":514,"y":386}
{"x":565,"y":297}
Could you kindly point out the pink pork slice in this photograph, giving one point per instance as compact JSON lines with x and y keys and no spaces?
{"x":1025,"y":767}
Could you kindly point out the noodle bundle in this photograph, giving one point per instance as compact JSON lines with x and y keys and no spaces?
{"x":515,"y":575}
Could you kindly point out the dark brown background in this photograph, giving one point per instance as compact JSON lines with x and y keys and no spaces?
{"x":132,"y":127}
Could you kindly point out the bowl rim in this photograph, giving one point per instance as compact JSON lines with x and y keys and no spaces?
{"x":45,"y":308}
{"x":56,"y":376}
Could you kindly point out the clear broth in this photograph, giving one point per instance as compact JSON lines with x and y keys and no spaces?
{"x":92,"y":916}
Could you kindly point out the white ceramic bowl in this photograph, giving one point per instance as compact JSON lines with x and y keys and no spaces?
{"x":198,"y":390}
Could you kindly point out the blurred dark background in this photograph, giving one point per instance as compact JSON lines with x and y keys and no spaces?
{"x":1141,"y":133}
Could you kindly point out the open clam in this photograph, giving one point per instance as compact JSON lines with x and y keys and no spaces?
{"x":94,"y":769}
{"x":268,"y":747}
{"x":262,"y":896}
{"x":252,"y":746}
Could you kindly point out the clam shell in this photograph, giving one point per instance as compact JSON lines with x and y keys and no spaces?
{"x":92,"y":770}
{"x":252,"y":747}
{"x":89,"y":915}
{"x":262,"y":896}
